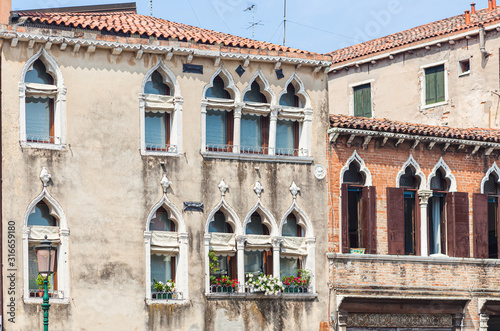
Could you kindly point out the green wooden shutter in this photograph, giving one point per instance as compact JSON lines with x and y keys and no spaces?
{"x":363,"y":101}
{"x":434,"y":85}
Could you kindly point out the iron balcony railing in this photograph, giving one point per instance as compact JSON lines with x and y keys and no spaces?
{"x":38,"y":293}
{"x":164,"y":295}
{"x":42,"y":139}
{"x":224,"y":289}
{"x":297,"y":289}
{"x":250,"y":289}
{"x":280,"y":152}
{"x":161,"y":148}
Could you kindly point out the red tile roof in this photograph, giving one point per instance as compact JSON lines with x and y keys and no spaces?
{"x":416,"y":35}
{"x":385,"y":125}
{"x":132,"y":23}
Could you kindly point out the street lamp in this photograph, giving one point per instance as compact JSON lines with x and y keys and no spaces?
{"x":45,"y":254}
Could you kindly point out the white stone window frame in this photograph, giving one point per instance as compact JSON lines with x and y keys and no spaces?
{"x":309,"y":260}
{"x":173,"y":106}
{"x":351,"y":95}
{"x":368,"y":181}
{"x":181,"y":272}
{"x":303,"y":114}
{"x":423,"y":104}
{"x":59,"y":96}
{"x":55,"y":210}
{"x":418,"y":173}
{"x":493,"y":169}
{"x":232,"y":104}
{"x":448,"y":175}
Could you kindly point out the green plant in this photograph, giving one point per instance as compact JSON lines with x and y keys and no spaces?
{"x":39,"y":282}
{"x":214,"y":264}
{"x":168,"y":286}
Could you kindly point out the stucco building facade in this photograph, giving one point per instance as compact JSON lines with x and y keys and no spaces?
{"x":140,"y":152}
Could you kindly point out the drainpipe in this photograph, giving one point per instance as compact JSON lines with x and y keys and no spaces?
{"x":482,"y":43}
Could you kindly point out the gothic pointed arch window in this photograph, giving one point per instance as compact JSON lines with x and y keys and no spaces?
{"x":358,"y":208}
{"x":42,"y":103}
{"x":161,"y":112}
{"x":437,"y":213}
{"x":44,"y":218}
{"x":259,"y":253}
{"x":166,"y":252}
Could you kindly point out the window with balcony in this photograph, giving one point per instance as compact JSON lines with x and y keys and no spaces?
{"x":258,"y":261}
{"x":254,"y":135}
{"x":42,"y":103}
{"x":219,"y":118}
{"x":161,"y":112}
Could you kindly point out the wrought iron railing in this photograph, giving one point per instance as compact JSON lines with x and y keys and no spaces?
{"x":254,"y":150}
{"x":251,"y":289}
{"x":280,"y":152}
{"x":224,"y":289}
{"x":38,"y":293}
{"x":297,"y":289}
{"x":164,"y":295}
{"x":220,"y":148}
{"x":161,"y":148}
{"x":42,"y":139}
{"x":291,"y":151}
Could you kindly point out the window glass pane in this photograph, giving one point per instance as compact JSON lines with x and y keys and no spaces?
{"x":254,"y":95}
{"x":38,"y":74}
{"x":255,"y":225}
{"x":160,"y":268}
{"x":217,"y":90}
{"x":41,"y":216}
{"x":290,"y":227}
{"x":254,"y":262}
{"x":162,"y":222}
{"x":289,"y":267}
{"x":285,"y":137}
{"x":435,"y":225}
{"x":493,"y":228}
{"x":251,"y":131}
{"x":409,"y":217}
{"x":156,"y":85}
{"x":37,"y":119}
{"x":155,"y":130}
{"x":223,"y":266}
{"x":33,"y":269}
{"x":218,"y":224}
{"x":216,"y":128}
{"x":289,"y":98}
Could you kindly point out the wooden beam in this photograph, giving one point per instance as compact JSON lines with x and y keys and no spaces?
{"x":431,"y":145}
{"x":489,"y":151}
{"x":415,"y":144}
{"x":476,"y":149}
{"x":366,"y":141}
{"x":384,"y":141}
{"x":399,"y":142}
{"x":139,"y":54}
{"x":351,"y":138}
{"x":334,"y":137}
{"x":446,"y":146}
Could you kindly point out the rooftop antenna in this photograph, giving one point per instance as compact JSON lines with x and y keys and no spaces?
{"x":284,"y":24}
{"x":253,"y":24}
{"x":150,"y":7}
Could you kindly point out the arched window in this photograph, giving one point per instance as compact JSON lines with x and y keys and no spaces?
{"x":161,"y":112}
{"x":492,"y":189}
{"x":219,"y":117}
{"x":290,"y":99}
{"x":254,"y":128}
{"x":358,"y":208}
{"x":224,"y":257}
{"x":42,"y":103}
{"x":166,"y":252}
{"x":254,"y":94}
{"x":437,"y":203}
{"x":290,"y":264}
{"x":259,"y":258}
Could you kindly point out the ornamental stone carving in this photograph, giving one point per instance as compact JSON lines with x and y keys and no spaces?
{"x":165,"y":183}
{"x":45,"y":176}
{"x":258,"y":189}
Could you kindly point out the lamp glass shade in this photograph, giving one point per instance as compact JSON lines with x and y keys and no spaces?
{"x":46,"y":257}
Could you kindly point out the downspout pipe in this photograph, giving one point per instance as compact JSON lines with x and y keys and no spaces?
{"x":482,"y":42}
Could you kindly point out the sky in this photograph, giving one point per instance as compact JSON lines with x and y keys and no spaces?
{"x":315,"y":25}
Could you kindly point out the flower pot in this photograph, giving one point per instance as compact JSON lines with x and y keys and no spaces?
{"x":40,"y":293}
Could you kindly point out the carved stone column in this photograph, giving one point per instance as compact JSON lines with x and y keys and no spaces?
{"x":237,"y":128}
{"x":240,"y":251}
{"x":276,"y":256}
{"x":273,"y":120}
{"x":424,"y":196}
{"x":483,"y":322}
{"x":342,"y":321}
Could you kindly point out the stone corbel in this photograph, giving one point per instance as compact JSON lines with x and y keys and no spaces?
{"x":91,"y":49}
{"x":139,"y":54}
{"x":217,"y":61}
{"x":48,"y":45}
{"x":169,"y":56}
{"x":246,"y":63}
{"x":14,"y":42}
{"x":31,"y":44}
{"x":366,"y":141}
{"x":183,"y":238}
{"x":76,"y":48}
{"x":117,"y":51}
{"x":190,"y":58}
{"x":63,"y":47}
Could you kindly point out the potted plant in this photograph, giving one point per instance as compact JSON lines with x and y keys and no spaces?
{"x":297,"y":284}
{"x":226,"y":284}
{"x":164,"y":290}
{"x":214,"y":266}
{"x":265,"y":284}
{"x":39,"y":283}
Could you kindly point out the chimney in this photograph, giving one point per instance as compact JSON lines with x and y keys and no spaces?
{"x":492,"y":5}
{"x":473,"y":8}
{"x":467,"y":17}
{"x":5,"y":8}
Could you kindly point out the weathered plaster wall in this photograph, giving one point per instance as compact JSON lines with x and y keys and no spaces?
{"x":107,"y":189}
{"x":397,"y":85}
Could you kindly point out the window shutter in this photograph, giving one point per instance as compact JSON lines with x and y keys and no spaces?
{"x":372,"y":220}
{"x":167,"y":129}
{"x":296,"y":136}
{"x":430,"y":86}
{"x":367,"y":101}
{"x":358,"y":102}
{"x":457,"y":205}
{"x":233,"y":273}
{"x":395,"y":221}
{"x":345,"y":219}
{"x":230,"y":129}
{"x":172,"y":267}
{"x":480,"y":219}
{"x":440,"y":97}
{"x":268,"y":262}
{"x":264,"y":122}
{"x":418,"y":235}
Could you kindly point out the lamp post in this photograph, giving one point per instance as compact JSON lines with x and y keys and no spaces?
{"x":45,"y":254}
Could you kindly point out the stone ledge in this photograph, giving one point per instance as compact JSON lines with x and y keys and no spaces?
{"x":253,"y":296}
{"x":410,"y":258}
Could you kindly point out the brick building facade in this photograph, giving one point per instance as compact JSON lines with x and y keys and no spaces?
{"x":415,"y":199}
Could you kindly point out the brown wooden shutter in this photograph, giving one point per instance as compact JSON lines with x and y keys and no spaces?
{"x":268,"y":262}
{"x":167,"y":129}
{"x":418,"y":229}
{"x":345,"y":219}
{"x":230,"y":130}
{"x":480,"y":226}
{"x":264,"y":122}
{"x":296,"y":137}
{"x":172,"y":267}
{"x":395,"y":221}
{"x":457,"y":213}
{"x":233,"y":273}
{"x":372,"y":220}
{"x":365,"y":219}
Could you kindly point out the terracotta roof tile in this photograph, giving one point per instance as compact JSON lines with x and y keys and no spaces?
{"x":415,"y":35}
{"x":132,"y":23}
{"x":385,"y":125}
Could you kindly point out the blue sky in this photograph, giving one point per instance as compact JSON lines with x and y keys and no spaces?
{"x":314,"y":25}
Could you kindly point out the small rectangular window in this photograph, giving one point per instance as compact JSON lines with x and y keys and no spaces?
{"x":464,"y":67}
{"x":363,"y":101}
{"x":434,"y":85}
{"x":157,"y":131}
